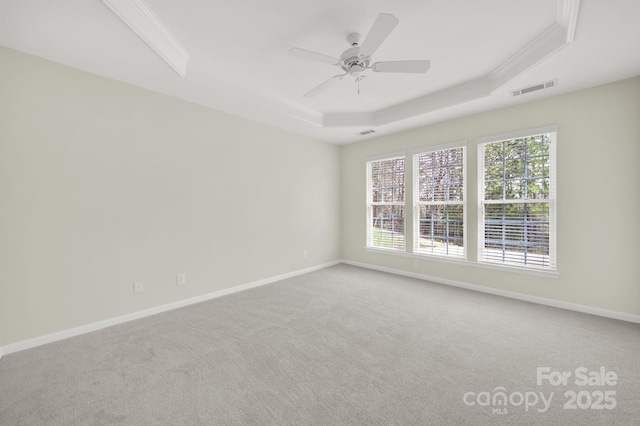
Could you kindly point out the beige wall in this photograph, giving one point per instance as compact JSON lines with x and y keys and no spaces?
{"x":598,"y":152}
{"x":102,"y":184}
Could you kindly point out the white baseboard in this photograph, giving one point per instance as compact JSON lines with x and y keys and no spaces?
{"x":76,"y":331}
{"x":505,"y":293}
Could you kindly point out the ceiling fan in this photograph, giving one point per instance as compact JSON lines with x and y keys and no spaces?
{"x":357,"y":59}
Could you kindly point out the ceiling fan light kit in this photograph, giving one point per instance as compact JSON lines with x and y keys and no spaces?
{"x":357,"y":59}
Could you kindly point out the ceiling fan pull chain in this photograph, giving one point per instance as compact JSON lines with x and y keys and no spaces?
{"x":360,"y":77}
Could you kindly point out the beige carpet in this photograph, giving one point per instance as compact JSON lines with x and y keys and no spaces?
{"x":339,"y":346}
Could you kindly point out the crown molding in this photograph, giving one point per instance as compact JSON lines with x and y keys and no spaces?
{"x":567,"y":16}
{"x":140,"y":18}
{"x":536,"y":51}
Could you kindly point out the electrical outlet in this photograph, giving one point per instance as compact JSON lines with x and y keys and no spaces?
{"x":305,"y":254}
{"x":138,"y":287}
{"x":416,"y":263}
{"x":181,"y":279}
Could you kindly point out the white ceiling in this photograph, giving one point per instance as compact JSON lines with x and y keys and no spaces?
{"x":238,"y":62}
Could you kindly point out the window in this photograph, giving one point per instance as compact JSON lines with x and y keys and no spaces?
{"x":386,"y":203}
{"x":439,"y":211}
{"x":516,"y":177}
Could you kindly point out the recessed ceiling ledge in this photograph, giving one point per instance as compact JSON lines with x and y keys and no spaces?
{"x":455,"y":95}
{"x":348,"y":119}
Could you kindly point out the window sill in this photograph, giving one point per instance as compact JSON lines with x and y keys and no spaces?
{"x":468,"y":263}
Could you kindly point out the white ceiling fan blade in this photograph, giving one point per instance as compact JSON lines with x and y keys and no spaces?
{"x":402,"y":66}
{"x":380,"y":30}
{"x":313,"y":56}
{"x":311,"y":93}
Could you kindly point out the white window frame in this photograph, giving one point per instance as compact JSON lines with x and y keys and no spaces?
{"x":417,"y":203}
{"x":552,"y":200}
{"x":370,"y":203}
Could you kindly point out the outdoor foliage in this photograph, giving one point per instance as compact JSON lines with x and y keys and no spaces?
{"x":387,"y":179}
{"x":440,"y":194}
{"x":388,"y":195}
{"x":517,"y":170}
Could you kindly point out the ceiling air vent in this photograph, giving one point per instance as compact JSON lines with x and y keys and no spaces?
{"x":546,"y":85}
{"x":366,"y":132}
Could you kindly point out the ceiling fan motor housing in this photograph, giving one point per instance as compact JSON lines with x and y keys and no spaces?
{"x":352,"y":62}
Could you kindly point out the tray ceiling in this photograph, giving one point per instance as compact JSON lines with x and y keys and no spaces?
{"x":232,"y":56}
